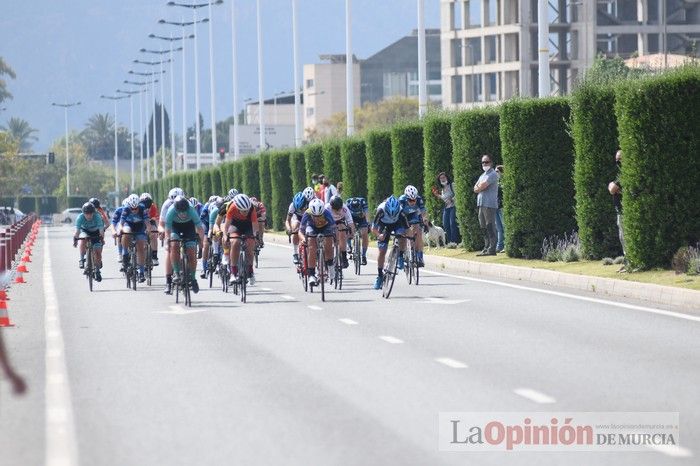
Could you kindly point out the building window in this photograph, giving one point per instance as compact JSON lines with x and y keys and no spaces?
{"x":493,"y":12}
{"x":473,"y":51}
{"x":474,"y":14}
{"x":457,"y":97}
{"x":309,"y":111}
{"x":492,"y":86}
{"x":309,"y":83}
{"x":491,"y":54}
{"x":456,"y":52}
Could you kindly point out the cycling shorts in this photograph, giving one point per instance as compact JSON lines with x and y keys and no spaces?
{"x":397,"y":228}
{"x":94,"y":236}
{"x":185,"y":232}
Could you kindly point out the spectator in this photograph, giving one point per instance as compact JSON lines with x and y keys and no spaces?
{"x":320,"y":188}
{"x":18,"y":385}
{"x":486,"y":189}
{"x":339,"y":187}
{"x":314,"y":180}
{"x":615,"y":189}
{"x":446,"y":193}
{"x":500,"y":226}
{"x":328,"y":190}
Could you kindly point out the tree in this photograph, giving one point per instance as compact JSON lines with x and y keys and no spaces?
{"x":21,"y":131}
{"x":222,"y":130}
{"x":609,"y":70}
{"x":371,"y":115}
{"x":158,"y":143}
{"x":5,"y":70}
{"x":98,"y":138}
{"x":192,"y":137}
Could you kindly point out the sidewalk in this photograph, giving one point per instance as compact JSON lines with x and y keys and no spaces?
{"x":659,"y":295}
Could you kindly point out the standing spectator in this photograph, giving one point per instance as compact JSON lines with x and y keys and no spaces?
{"x":486,"y":189}
{"x":615,"y":189}
{"x":339,"y":188}
{"x":18,"y":385}
{"x":328,"y":190}
{"x":500,"y":225}
{"x":449,"y":214}
{"x":320,"y":188}
{"x":314,"y":181}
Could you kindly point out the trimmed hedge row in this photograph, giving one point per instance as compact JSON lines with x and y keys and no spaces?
{"x":313,"y":157}
{"x":265,"y":182}
{"x":594,"y":130}
{"x":297,"y":170}
{"x":379,"y":166}
{"x":332,"y":166}
{"x":354,"y":162}
{"x":438,"y":158}
{"x":473,"y":134}
{"x":538,"y":187}
{"x":251,"y":177}
{"x":407,"y":156}
{"x":281,"y":187}
{"x":660,"y":140}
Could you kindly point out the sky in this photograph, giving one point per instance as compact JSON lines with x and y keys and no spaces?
{"x":77,"y":50}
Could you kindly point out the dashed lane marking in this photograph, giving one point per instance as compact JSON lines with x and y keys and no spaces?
{"x":453,"y":363}
{"x":534,"y":395}
{"x":348,"y":321}
{"x":315,"y":308}
{"x":390,"y":339}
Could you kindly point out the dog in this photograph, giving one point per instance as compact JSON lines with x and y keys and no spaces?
{"x":434,"y":235}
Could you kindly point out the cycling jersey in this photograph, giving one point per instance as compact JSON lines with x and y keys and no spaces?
{"x":136,"y":220}
{"x":388,"y":225}
{"x":361,"y":210}
{"x":164,"y":209}
{"x":116,"y":216}
{"x":416,"y":208}
{"x":92,"y":226}
{"x":260,"y":210}
{"x":318,"y":224}
{"x":213,"y":213}
{"x":204,"y":217}
{"x":340,"y":215}
{"x":198,"y":208}
{"x":175,"y":217}
{"x":298,"y":213}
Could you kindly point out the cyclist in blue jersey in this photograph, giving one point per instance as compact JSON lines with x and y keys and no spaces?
{"x":183,"y":223}
{"x":204,"y":217}
{"x":174,"y":192}
{"x":133,"y":220}
{"x":317,"y":220}
{"x":358,"y":210}
{"x":214,"y":229}
{"x":389,"y":218}
{"x":194,"y":202}
{"x":116,"y":217}
{"x":89,"y":225}
{"x":296,"y":210}
{"x":413,"y":206}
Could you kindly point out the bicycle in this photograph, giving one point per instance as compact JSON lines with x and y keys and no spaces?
{"x":90,"y":268}
{"x":357,"y":250}
{"x":131,"y":270}
{"x":337,"y":279}
{"x":183,"y":283}
{"x":390,"y":266}
{"x":257,"y":250}
{"x":149,"y":259}
{"x":411,"y":262}
{"x":242,"y":283}
{"x":320,"y":261}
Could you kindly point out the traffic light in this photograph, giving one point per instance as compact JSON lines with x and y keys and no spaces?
{"x":52,"y":157}
{"x":222,"y":153}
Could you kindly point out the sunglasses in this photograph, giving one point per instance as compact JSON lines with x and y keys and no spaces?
{"x":485,"y":163}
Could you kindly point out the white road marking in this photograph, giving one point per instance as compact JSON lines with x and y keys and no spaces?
{"x":265,"y":289}
{"x":672,"y":450}
{"x":178,"y":310}
{"x":452,"y":363}
{"x":390,"y":339}
{"x":315,"y":308}
{"x":348,"y":321}
{"x":534,"y":395}
{"x":61,"y":446}
{"x":287,"y":297}
{"x":446,"y":301}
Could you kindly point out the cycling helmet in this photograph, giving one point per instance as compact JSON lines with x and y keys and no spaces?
{"x":309,"y":193}
{"x":134,"y":197}
{"x":336,"y":202}
{"x":96,"y":202}
{"x":232,"y":193}
{"x":212,"y":198}
{"x":124,"y":202}
{"x":181,"y":204}
{"x":146,"y":197}
{"x":411,"y":192}
{"x":132,"y":201}
{"x":354,"y":203}
{"x":316,"y":207}
{"x":88,"y":208}
{"x":299,"y":200}
{"x":242,"y":202}
{"x":391,"y":206}
{"x":194,"y":201}
{"x":219,"y":201}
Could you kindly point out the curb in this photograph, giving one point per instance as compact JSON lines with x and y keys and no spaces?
{"x":648,"y":292}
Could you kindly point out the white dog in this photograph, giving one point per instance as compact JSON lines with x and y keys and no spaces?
{"x":434,"y":236}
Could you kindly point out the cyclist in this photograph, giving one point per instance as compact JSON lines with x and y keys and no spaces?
{"x":133,"y":220}
{"x":296,"y":210}
{"x":341,"y":216}
{"x":389,"y":218}
{"x":96,"y":202}
{"x":317,"y":220}
{"x":152,"y":226}
{"x":196,"y":204}
{"x":172,"y":194}
{"x":413,"y":206}
{"x":116,"y":217}
{"x":183,"y":223}
{"x":358,"y":210}
{"x":241,"y":220}
{"x":214,"y":228}
{"x":90,"y":225}
{"x":204,"y":217}
{"x":261,"y":212}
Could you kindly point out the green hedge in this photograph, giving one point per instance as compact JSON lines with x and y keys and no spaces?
{"x":332,"y":166}
{"x":265,"y":182}
{"x":407,"y":156}
{"x":594,"y":129}
{"x":313,"y":155}
{"x":437,"y":146}
{"x":379,"y":163}
{"x":660,"y":141}
{"x":191,"y":182}
{"x":538,"y":187}
{"x":216,"y":188}
{"x":354,"y":161}
{"x":251,"y":176}
{"x":297,"y":167}
{"x":473,"y":133}
{"x":281,"y":187}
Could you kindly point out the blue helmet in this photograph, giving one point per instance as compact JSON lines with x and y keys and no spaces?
{"x":299,"y":200}
{"x":392,"y":206}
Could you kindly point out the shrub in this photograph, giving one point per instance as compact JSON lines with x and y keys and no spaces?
{"x":251,"y":176}
{"x":205,"y":187}
{"x":407,"y":156}
{"x":658,"y":126}
{"x":538,"y":188}
{"x":594,"y":130}
{"x":379,"y":166}
{"x":297,"y":169}
{"x":237,"y":171}
{"x":473,"y":133}
{"x":438,"y":158}
{"x":281,"y":187}
{"x":681,"y":260}
{"x":313,"y":158}
{"x":566,"y":248}
{"x":608,"y":261}
{"x":354,"y":161}
{"x":619,"y":260}
{"x":265,"y":183}
{"x":332,"y":166}
{"x":571,"y":254}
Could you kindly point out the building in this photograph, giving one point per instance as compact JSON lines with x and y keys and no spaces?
{"x":489,"y":47}
{"x":325,"y":90}
{"x":393,"y":71}
{"x":278,"y":110}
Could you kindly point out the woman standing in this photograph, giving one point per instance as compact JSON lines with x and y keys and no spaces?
{"x":449,"y":215}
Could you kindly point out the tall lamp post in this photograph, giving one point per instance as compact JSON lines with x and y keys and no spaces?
{"x":65,"y":107}
{"x":234,"y":81}
{"x":115,"y":98}
{"x":153,"y":92}
{"x":261,"y":100}
{"x":349,"y":76}
{"x":141,"y":129}
{"x":131,"y":131}
{"x":162,"y":101}
{"x":297,"y":75}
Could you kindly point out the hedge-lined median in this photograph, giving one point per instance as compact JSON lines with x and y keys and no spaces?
{"x":265,"y":182}
{"x":379,"y":166}
{"x":297,"y":170}
{"x":313,"y":155}
{"x":281,"y":187}
{"x":354,"y":163}
{"x":407,"y":156}
{"x":438,"y":158}
{"x":332,"y":166}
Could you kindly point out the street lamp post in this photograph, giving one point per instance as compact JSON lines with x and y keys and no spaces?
{"x":543,"y":47}
{"x":116,"y":145}
{"x":297,"y":97}
{"x":422,"y":64}
{"x":349,"y":91}
{"x":145,"y":147}
{"x":65,"y":107}
{"x":234,"y":81}
{"x":131,"y":131}
{"x":261,"y":102}
{"x":153,"y":90}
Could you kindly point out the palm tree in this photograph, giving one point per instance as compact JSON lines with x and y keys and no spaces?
{"x":5,"y":70}
{"x":21,"y":131}
{"x":98,"y":136}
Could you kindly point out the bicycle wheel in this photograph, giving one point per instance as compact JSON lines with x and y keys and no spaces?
{"x":416,"y":269}
{"x":303,"y":267}
{"x":185,"y":278}
{"x":336,"y":263}
{"x":242,"y":271}
{"x":257,"y":255}
{"x":408,"y":265}
{"x":89,"y":266}
{"x":390,"y":272}
{"x":322,"y":270}
{"x":149,"y":265}
{"x":134,"y":269}
{"x":356,"y":254}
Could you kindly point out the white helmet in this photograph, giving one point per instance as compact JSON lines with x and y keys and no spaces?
{"x":132,"y":201}
{"x":134,"y":197}
{"x":316,"y":207}
{"x":242,"y":202}
{"x":175,"y":192}
{"x":145,"y":196}
{"x":309,"y":193}
{"x":233,"y":192}
{"x":411,"y":192}
{"x":125,"y":201}
{"x":212,"y":198}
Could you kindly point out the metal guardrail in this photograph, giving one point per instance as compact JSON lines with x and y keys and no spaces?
{"x":11,"y":239}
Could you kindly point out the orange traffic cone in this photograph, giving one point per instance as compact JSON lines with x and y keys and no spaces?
{"x":4,"y":316}
{"x":22,"y":268}
{"x":19,"y":278}
{"x":26,"y":258}
{"x":3,"y":296}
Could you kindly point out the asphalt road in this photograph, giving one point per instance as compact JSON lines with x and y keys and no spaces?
{"x":118,"y":377}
